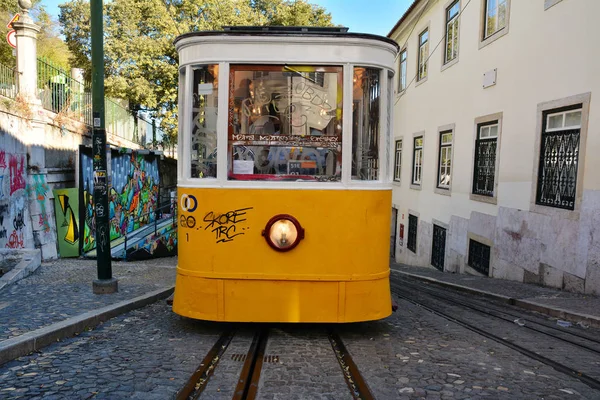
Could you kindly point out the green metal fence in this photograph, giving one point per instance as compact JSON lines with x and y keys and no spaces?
{"x":59,"y":92}
{"x":8,"y":81}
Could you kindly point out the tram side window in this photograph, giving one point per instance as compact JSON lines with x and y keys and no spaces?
{"x":366,"y":124}
{"x":204,"y":122}
{"x":285,"y":123}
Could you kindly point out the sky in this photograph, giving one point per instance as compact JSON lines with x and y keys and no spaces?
{"x":363,"y":16}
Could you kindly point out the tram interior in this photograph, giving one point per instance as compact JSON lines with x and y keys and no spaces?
{"x":285,"y":122}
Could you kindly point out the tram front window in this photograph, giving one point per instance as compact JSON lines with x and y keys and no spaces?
{"x":204,"y":122}
{"x":285,"y":122}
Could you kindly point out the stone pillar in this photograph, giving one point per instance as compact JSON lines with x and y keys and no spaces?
{"x":26,"y":34}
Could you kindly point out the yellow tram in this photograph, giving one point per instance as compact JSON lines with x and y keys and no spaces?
{"x":284,"y":182}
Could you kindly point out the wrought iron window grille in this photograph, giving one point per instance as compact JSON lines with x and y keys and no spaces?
{"x":484,"y":171}
{"x":438,"y":249}
{"x":558,"y":164}
{"x":479,"y":257}
{"x":412,"y":233}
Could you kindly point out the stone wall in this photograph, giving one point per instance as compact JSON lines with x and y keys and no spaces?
{"x":525,"y":246}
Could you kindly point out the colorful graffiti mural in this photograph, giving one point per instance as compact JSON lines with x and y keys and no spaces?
{"x":14,"y":213}
{"x":133,"y":194}
{"x":66,"y":205}
{"x":38,"y":191}
{"x":163,"y":244}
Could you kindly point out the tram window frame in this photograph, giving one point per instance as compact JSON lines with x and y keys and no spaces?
{"x":198,"y":122}
{"x":362,"y":121}
{"x":309,"y":153}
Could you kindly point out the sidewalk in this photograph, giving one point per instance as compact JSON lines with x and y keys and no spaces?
{"x":569,"y":306}
{"x":57,"y":300}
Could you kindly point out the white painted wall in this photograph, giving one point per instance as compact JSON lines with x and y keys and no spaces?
{"x":546,"y":55}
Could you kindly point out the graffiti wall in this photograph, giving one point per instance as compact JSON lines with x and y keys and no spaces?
{"x":15,"y":229}
{"x":66,"y":209}
{"x":133,"y":194}
{"x":163,"y":244}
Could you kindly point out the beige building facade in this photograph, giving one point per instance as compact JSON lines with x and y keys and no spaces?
{"x":496,"y":135}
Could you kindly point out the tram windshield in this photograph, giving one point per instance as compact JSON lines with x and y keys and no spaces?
{"x":285,"y":123}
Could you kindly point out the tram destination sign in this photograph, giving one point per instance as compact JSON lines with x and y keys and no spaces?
{"x":329,"y":142}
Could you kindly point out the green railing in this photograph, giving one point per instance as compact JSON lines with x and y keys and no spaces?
{"x":8,"y":82}
{"x":59,"y":92}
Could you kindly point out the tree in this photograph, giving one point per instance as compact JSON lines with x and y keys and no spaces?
{"x":141,"y":63}
{"x":49,"y":44}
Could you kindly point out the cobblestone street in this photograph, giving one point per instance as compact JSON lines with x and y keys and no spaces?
{"x":151,"y":352}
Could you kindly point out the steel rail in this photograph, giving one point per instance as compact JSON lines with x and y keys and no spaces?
{"x":197,"y":382}
{"x":495,"y":312}
{"x":588,"y":380}
{"x":357,"y":385}
{"x":247,"y":386}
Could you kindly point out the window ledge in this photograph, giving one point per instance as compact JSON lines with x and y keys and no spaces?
{"x":555,"y":212}
{"x":422,"y":81}
{"x":550,"y":3}
{"x":415,"y":187}
{"x":443,"y":191}
{"x":397,"y":183}
{"x":483,"y":199}
{"x":449,"y":63}
{"x":495,"y":36}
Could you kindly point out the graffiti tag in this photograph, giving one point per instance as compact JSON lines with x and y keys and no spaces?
{"x":18,"y":221}
{"x":15,"y":241}
{"x":16,"y":166}
{"x":225,"y":226}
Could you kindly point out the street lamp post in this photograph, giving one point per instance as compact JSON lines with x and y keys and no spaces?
{"x":105,"y":282}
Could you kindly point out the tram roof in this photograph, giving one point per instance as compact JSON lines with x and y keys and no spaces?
{"x":289,"y":31}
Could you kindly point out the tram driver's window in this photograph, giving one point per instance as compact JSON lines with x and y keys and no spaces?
{"x":285,"y":123}
{"x":365,"y":123}
{"x":204,"y":122}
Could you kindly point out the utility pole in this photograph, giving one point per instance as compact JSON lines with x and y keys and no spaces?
{"x":105,"y":282}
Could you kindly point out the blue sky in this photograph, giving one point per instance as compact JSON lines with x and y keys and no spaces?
{"x":364,"y":16}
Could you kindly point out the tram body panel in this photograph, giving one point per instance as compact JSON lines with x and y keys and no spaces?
{"x":339,"y":271}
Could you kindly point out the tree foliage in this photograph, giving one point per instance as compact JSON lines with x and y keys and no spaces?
{"x":49,"y":45}
{"x":141,"y":63}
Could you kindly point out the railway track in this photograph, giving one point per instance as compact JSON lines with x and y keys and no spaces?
{"x":248,"y":382}
{"x":526,"y":334}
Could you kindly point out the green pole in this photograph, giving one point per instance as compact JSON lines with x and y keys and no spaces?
{"x":105,"y":282}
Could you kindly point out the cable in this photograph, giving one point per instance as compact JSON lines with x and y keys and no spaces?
{"x":411,"y":31}
{"x":430,"y":54}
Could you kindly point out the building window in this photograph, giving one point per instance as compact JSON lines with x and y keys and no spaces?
{"x":398,"y":161}
{"x":411,"y":243}
{"x":479,"y":257}
{"x":438,"y":248}
{"x":559,"y":158}
{"x":417,"y":170}
{"x":495,"y":16}
{"x":402,"y":78}
{"x":423,"y":53}
{"x":445,"y":161}
{"x":452,"y":31}
{"x":485,"y":159}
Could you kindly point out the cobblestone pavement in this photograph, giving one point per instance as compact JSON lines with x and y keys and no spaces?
{"x":62,"y":289}
{"x":307,"y":367}
{"x":146,"y":354}
{"x":577,"y":302}
{"x":416,"y":354}
{"x":150,"y":353}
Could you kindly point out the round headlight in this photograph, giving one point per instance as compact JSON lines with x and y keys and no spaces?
{"x":283,"y":232}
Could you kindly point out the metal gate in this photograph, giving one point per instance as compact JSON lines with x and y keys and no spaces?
{"x":439,"y":247}
{"x":393,"y":232}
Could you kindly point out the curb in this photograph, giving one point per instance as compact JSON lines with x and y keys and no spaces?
{"x":35,"y":340}
{"x":592,"y":320}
